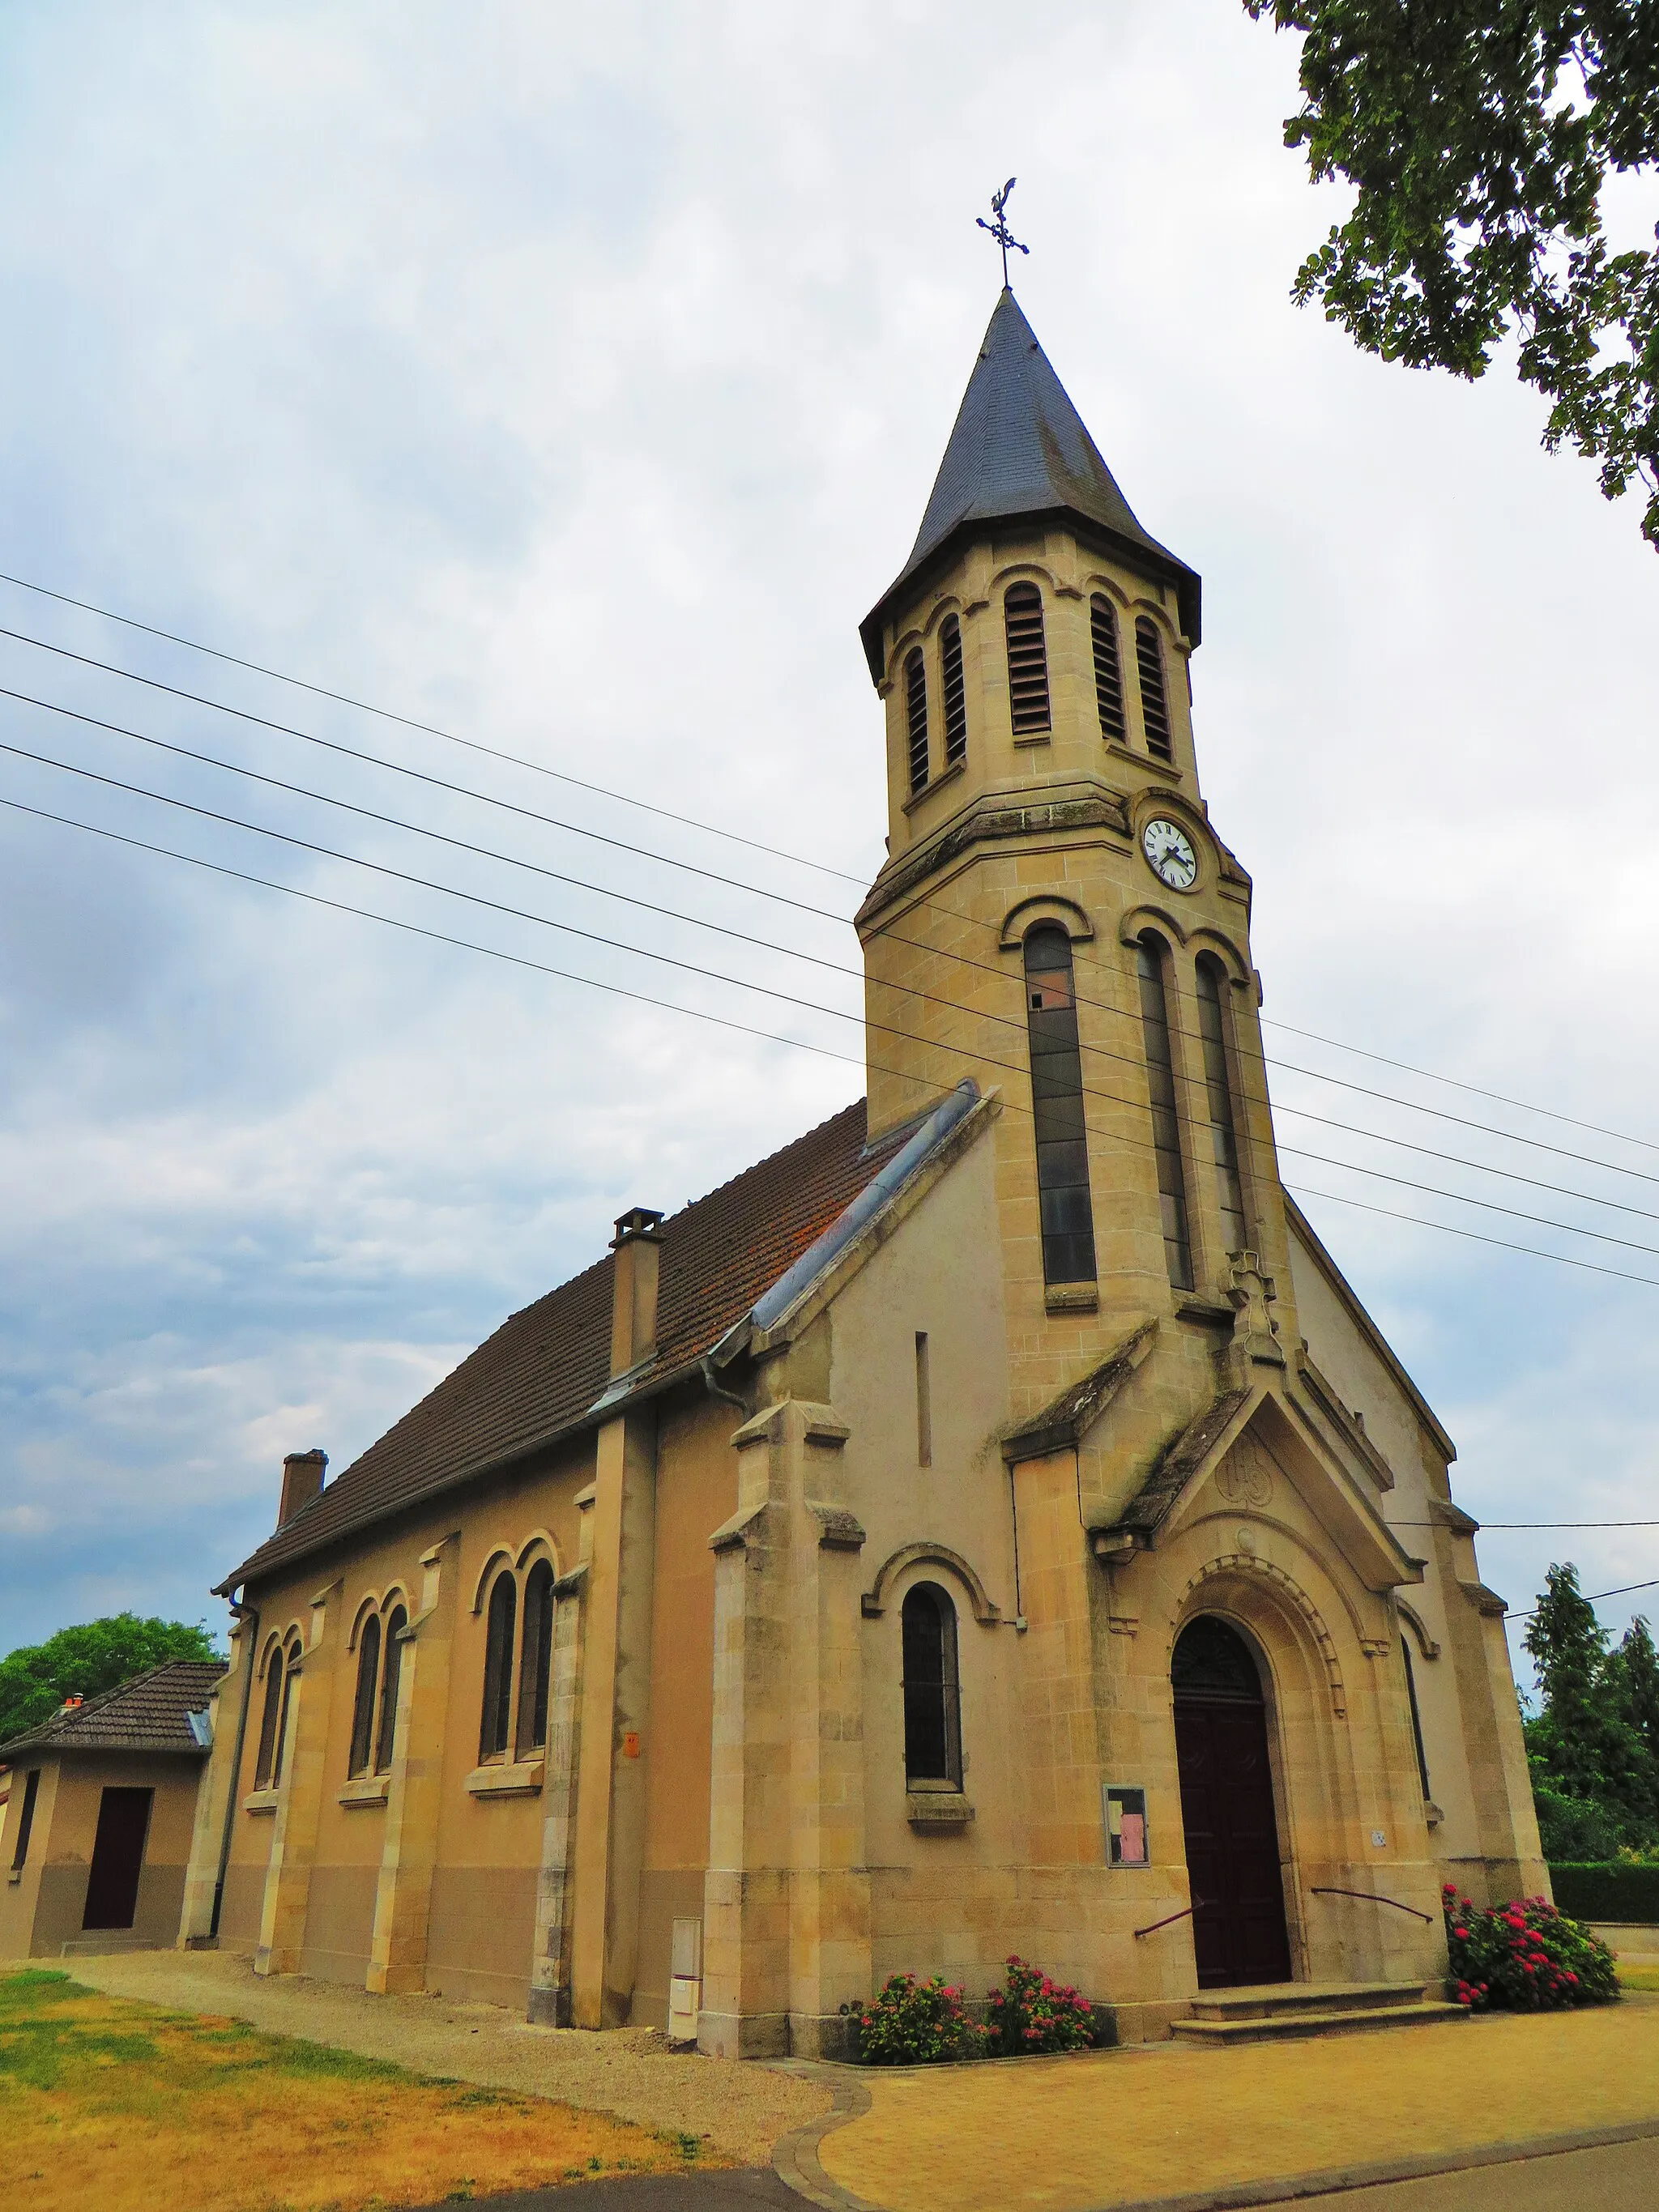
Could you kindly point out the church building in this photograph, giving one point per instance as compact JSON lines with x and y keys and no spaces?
{"x":993,"y":1523}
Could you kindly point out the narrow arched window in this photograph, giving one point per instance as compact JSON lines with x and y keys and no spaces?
{"x":1166,"y":1120}
{"x":385,"y":1735}
{"x":1154,"y":702}
{"x":268,"y":1719}
{"x":536,"y":1660}
{"x":953,"y":691}
{"x":290,"y":1671}
{"x":933,"y":1700}
{"x":1108,"y":670}
{"x":916,"y":717}
{"x":1027,"y":658}
{"x":1063,"y":1148}
{"x":1218,"y":1093}
{"x":496,"y":1730}
{"x":363,"y":1712}
{"x":1417,"y":1719}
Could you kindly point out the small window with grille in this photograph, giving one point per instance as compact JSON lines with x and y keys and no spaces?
{"x":954,"y":691}
{"x":1108,"y":670}
{"x":1027,"y":658}
{"x":915,"y":717}
{"x":1154,"y":701}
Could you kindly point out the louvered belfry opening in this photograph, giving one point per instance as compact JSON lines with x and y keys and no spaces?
{"x":1154,"y":704}
{"x":1109,"y":670}
{"x":1218,"y":1095}
{"x":915,"y":717}
{"x":954,"y":692}
{"x":1066,"y":1210}
{"x":1027,"y":658}
{"x":1150,"y":958}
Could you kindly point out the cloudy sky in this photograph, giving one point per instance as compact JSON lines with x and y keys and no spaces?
{"x":572,"y":379}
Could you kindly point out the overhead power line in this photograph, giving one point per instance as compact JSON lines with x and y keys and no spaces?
{"x":432,"y":729}
{"x":1594,"y":1598}
{"x":616,"y":990}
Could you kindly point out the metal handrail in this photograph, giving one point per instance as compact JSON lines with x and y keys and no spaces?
{"x":1197,"y":1905}
{"x":1370,"y":1897}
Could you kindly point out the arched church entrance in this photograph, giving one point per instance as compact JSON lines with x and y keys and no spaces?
{"x":1227,"y":1808}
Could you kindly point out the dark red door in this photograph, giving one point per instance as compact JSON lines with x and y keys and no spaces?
{"x":118,"y":1858}
{"x":1227,"y":1809}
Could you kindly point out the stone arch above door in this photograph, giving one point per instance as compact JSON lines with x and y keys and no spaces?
{"x":1291,"y":1596}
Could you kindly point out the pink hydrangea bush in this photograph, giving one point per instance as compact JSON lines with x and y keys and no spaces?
{"x":1524,"y":1957}
{"x":1031,"y":2014}
{"x":912,"y":2023}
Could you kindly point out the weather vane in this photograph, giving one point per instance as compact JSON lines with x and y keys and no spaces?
{"x":999,"y":230}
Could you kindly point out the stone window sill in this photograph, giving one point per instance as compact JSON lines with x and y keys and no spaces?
{"x":1072,"y":1297}
{"x":14,"y":1877}
{"x":366,"y":1790}
{"x":1158,"y":766}
{"x":520,"y":1779}
{"x":261,"y":1800}
{"x":957,"y":768}
{"x":937,"y":1808}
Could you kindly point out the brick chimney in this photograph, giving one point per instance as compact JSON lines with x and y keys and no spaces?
{"x":638,"y":1247}
{"x":302,"y":1480}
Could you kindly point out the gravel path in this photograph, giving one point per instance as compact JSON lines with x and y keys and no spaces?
{"x":740,"y":2108}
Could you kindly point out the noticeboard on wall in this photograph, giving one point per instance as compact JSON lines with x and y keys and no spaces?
{"x":1128,"y":1845}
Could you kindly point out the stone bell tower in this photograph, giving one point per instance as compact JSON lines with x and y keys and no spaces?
{"x":1056,"y":919}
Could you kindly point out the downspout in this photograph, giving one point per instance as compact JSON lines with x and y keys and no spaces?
{"x":249,"y":1615}
{"x":716,"y":1390}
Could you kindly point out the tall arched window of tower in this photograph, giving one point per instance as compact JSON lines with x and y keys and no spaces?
{"x":496,"y":1731}
{"x":290,"y":1669}
{"x":1154,"y":699}
{"x":266,"y":1759}
{"x":362,"y":1714}
{"x":915,"y":717}
{"x":1218,"y":1094}
{"x":933,"y":1699}
{"x":1062,"y":1149}
{"x":390,"y":1674}
{"x":1027,"y":658}
{"x":953,"y":691}
{"x":1150,"y":963}
{"x":1108,"y":670}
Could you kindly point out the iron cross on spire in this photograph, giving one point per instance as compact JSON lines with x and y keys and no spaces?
{"x":999,"y":230}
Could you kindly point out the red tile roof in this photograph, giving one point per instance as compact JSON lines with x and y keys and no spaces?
{"x":535,"y":1379}
{"x":147,"y":1714}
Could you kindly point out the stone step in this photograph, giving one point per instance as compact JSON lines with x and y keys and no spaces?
{"x":1282,"y":2026}
{"x":1266,"y":2000}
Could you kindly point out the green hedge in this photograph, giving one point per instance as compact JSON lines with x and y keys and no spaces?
{"x":1607,"y":1892}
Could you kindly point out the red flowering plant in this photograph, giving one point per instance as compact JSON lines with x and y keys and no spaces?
{"x":1031,"y":2014}
{"x":912,"y":2023}
{"x":1524,"y":1957}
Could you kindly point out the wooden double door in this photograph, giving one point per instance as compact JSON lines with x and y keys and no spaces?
{"x":1239,"y":1934}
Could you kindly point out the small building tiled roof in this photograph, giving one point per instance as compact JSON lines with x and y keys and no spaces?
{"x":150,"y":1713}
{"x":537,"y":1377}
{"x":1020,"y":448}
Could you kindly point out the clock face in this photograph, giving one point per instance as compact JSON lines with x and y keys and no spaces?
{"x":1170,"y":853}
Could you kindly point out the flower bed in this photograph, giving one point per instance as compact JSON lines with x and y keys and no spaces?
{"x":1524,"y":1957}
{"x":912,"y":2023}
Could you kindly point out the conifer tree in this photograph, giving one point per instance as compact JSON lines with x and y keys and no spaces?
{"x":1584,"y":1744}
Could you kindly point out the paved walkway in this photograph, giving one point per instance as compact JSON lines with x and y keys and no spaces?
{"x":1164,"y":2121}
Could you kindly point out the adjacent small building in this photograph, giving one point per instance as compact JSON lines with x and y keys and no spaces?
{"x":97,"y":1810}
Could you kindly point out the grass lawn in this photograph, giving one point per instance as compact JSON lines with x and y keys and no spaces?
{"x":131,"y":2108}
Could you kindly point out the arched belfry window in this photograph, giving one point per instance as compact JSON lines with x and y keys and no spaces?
{"x":953,"y":691}
{"x":497,"y":1732}
{"x":933,"y":1698}
{"x":1218,"y":1094}
{"x":1108,"y":670}
{"x":1150,"y":963}
{"x":536,"y":1662}
{"x":915,"y":717}
{"x":1063,"y":1148}
{"x":391,"y":1674}
{"x":270,"y":1715}
{"x":290,"y":1671}
{"x":1027,"y":658}
{"x":363,"y":1711}
{"x":1154,"y":699}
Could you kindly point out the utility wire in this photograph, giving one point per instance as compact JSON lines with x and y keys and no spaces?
{"x":801,"y":906}
{"x":693,"y":968}
{"x":1594,"y":1598}
{"x":638,"y":997}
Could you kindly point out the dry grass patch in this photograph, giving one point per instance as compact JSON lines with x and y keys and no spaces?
{"x":133,"y":2108}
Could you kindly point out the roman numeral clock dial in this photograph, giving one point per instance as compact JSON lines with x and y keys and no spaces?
{"x":1170,"y":853}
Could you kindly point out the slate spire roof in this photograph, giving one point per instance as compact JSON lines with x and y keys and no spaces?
{"x":1020,"y":448}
